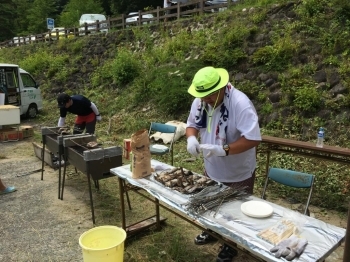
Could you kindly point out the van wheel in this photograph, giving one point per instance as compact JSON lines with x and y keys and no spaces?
{"x":32,"y":111}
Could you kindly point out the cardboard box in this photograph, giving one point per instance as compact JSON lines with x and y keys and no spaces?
{"x":27,"y":131}
{"x":9,"y":115}
{"x":127,"y":148}
{"x":12,"y":134}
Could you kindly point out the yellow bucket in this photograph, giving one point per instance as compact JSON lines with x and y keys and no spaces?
{"x":103,"y":244}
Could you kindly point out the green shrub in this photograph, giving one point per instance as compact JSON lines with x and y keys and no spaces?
{"x":36,"y":63}
{"x":166,"y":87}
{"x":177,"y":47}
{"x":58,"y":66}
{"x":277,"y":56}
{"x":307,"y":99}
{"x":102,"y":74}
{"x":76,"y":46}
{"x":311,"y":8}
{"x":125,"y":67}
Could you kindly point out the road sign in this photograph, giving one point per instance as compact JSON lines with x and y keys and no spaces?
{"x":50,"y":23}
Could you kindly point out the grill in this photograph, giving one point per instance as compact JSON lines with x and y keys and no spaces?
{"x":95,"y":163}
{"x":54,"y":142}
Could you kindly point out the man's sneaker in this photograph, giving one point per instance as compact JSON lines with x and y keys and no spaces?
{"x":226,"y":254}
{"x":204,"y":238}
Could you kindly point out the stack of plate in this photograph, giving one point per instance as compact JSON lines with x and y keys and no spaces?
{"x":258,"y":209}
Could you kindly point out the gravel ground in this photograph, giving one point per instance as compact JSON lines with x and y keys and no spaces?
{"x":35,"y":224}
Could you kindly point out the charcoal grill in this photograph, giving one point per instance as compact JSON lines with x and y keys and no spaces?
{"x":95,"y":163}
{"x":54,"y":142}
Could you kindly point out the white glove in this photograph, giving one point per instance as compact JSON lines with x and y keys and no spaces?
{"x":61,"y":122}
{"x":99,"y":118}
{"x":289,"y":248}
{"x":212,"y":150}
{"x":193,"y":146}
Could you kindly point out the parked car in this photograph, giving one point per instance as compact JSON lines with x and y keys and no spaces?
{"x":61,"y":33}
{"x":30,"y":38}
{"x":185,"y":8}
{"x":90,"y":20}
{"x":217,"y":2}
{"x":17,"y":40}
{"x":133,"y":18}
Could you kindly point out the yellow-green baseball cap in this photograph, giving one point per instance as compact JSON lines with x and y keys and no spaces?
{"x":208,"y":80}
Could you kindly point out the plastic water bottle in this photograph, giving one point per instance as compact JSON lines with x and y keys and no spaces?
{"x":320,"y":137}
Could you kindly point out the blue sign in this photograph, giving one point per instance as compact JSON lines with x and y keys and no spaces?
{"x":50,"y":23}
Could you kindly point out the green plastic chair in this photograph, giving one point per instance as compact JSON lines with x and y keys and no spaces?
{"x":161,"y":149}
{"x":292,"y":179}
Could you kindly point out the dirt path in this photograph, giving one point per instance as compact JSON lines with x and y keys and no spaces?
{"x":37,"y":226}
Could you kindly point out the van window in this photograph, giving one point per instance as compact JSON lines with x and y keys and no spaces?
{"x":3,"y":86}
{"x":11,"y":80}
{"x":92,"y":17}
{"x":28,"y":81}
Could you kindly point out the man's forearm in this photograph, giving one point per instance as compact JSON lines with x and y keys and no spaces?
{"x":191,"y":131}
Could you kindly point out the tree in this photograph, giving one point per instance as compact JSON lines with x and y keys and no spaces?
{"x":38,"y":13}
{"x":19,"y":21}
{"x":75,"y":8}
{"x":7,"y":13}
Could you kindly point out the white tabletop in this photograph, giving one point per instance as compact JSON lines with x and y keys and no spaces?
{"x":231,"y":223}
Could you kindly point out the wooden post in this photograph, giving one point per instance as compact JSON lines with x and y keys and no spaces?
{"x":123,"y":21}
{"x":201,"y":6}
{"x":140,"y":18}
{"x":178,"y":10}
{"x":86,"y":28}
{"x":97,"y":26}
{"x":346,"y":256}
{"x":158,"y":13}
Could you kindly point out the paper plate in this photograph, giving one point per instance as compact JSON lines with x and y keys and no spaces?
{"x":161,"y":147}
{"x":257,"y":209}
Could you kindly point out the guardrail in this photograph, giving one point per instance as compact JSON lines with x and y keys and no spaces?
{"x":173,"y":12}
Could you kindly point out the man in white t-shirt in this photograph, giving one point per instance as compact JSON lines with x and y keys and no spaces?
{"x":227,"y":123}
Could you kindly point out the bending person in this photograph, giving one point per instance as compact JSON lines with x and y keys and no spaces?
{"x":86,"y":111}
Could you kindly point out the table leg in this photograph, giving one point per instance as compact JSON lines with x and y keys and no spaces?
{"x":91,"y":201}
{"x":64,"y":172}
{"x":121,"y":197}
{"x":59,"y":173}
{"x":42,"y":159}
{"x":127,"y":195}
{"x":268,"y":153}
{"x":157,"y":213}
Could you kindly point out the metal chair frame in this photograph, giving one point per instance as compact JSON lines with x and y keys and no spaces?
{"x":292,"y":179}
{"x":162,"y":128}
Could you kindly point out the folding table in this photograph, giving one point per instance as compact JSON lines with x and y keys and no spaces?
{"x":229,"y":224}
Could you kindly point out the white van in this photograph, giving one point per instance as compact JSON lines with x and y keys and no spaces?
{"x":20,"y":90}
{"x":91,"y":19}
